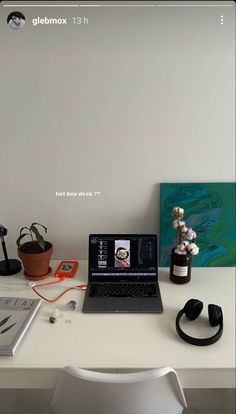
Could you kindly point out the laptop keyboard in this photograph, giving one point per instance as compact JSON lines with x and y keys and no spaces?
{"x":122,"y":290}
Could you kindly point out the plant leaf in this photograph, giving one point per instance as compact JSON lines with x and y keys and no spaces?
{"x":22,"y":228}
{"x":38,"y":224}
{"x":39,"y":237}
{"x":8,"y":328}
{"x":21,"y":237}
{"x":3,"y":321}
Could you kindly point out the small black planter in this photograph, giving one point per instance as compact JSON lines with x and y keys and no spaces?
{"x":180,"y":269}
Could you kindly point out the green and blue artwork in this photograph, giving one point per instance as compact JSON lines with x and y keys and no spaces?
{"x":210,"y":211}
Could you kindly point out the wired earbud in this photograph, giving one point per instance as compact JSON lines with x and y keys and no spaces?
{"x":192,"y":310}
{"x":17,"y":285}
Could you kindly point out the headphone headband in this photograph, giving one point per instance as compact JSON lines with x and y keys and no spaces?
{"x":199,"y":341}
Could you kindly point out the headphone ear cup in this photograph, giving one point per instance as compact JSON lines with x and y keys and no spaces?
{"x":215,"y":314}
{"x":193,"y":308}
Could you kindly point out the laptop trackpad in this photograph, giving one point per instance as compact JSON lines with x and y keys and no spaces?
{"x":123,"y":304}
{"x":143,"y":305}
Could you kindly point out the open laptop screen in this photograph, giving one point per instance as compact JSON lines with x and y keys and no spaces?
{"x":122,"y":257}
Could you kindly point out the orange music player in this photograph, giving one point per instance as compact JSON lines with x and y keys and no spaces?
{"x":67,"y":268}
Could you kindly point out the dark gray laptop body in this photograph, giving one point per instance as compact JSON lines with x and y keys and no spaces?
{"x":123,"y":261}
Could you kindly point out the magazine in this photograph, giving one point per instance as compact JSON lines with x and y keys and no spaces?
{"x":16,"y":315}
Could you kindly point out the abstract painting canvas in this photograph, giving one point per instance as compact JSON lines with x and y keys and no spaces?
{"x":210,"y":211}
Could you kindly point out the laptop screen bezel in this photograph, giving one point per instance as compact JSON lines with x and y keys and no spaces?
{"x":122,"y":278}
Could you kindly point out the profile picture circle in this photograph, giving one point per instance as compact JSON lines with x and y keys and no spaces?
{"x":16,"y":20}
{"x":121,"y":253}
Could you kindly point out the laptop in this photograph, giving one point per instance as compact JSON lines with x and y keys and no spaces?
{"x":122,"y":274}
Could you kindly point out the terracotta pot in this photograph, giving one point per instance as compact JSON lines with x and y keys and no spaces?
{"x":36,"y":264}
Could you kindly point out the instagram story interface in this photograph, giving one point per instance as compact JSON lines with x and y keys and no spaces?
{"x":103,"y":100}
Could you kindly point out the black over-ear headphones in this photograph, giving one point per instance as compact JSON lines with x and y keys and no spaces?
{"x":192,"y":309}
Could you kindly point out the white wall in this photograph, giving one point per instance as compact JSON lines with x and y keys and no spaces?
{"x":137,"y":97}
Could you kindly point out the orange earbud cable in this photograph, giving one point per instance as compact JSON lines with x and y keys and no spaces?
{"x":82,"y":287}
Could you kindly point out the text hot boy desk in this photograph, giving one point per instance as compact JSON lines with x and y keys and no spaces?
{"x":125,"y":341}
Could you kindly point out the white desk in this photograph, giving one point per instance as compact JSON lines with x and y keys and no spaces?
{"x":125,"y":341}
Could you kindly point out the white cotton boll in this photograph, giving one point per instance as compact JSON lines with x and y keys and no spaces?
{"x":178,"y":212}
{"x":178,"y":224}
{"x":175,"y":224}
{"x":178,"y":251}
{"x":190,"y":234}
{"x":193,"y":249}
{"x":182,"y":247}
{"x":183,"y":228}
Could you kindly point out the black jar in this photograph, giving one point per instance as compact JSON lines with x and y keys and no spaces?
{"x":180,"y":269}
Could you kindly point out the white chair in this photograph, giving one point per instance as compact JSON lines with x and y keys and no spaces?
{"x":156,"y":391}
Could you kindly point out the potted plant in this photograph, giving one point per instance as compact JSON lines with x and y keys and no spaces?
{"x":181,"y":257}
{"x":35,"y":254}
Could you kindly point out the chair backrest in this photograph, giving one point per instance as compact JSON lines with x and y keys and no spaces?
{"x":156,"y":391}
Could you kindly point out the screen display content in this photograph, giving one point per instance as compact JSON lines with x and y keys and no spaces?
{"x":123,"y":255}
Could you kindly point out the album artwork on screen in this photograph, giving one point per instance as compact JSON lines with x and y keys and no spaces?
{"x":210,"y":211}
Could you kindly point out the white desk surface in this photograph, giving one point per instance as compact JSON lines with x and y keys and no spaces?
{"x":125,"y":341}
